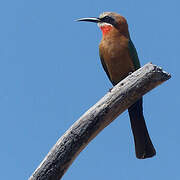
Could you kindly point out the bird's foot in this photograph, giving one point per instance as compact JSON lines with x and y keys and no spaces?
{"x":110,"y":89}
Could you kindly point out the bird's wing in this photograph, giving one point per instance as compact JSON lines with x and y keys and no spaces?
{"x":134,"y":55}
{"x":104,"y":66}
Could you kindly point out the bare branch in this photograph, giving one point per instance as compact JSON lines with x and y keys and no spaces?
{"x":76,"y":138}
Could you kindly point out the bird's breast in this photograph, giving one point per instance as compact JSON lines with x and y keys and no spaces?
{"x":116,"y":57}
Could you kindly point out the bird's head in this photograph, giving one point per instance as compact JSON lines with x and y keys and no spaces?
{"x":108,"y":21}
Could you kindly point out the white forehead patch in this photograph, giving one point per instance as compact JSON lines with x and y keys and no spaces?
{"x":103,"y":24}
{"x":104,"y":14}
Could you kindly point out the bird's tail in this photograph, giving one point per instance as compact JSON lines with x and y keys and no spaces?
{"x":143,"y":145}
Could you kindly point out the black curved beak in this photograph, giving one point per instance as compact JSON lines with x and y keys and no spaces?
{"x":91,"y":19}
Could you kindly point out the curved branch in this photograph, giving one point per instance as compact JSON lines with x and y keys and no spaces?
{"x":76,"y":138}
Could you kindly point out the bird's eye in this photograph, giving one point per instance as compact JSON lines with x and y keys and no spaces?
{"x":108,"y":19}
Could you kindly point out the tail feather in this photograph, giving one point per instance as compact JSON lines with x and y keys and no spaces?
{"x":143,"y":145}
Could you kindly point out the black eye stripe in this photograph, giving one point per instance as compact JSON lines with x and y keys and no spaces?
{"x":108,"y":18}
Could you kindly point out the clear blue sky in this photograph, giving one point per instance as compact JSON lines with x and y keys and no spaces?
{"x":50,"y":74}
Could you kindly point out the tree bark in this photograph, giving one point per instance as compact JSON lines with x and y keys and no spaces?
{"x":76,"y":138}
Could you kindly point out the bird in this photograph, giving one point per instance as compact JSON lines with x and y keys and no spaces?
{"x":119,"y":58}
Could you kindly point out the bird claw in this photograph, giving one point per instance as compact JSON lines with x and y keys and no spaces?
{"x":110,"y":89}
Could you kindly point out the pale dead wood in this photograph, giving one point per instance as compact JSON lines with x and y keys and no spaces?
{"x":96,"y":119}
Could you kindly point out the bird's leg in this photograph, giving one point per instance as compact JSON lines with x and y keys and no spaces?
{"x":110,"y":89}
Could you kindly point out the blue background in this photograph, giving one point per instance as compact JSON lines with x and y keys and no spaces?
{"x":50,"y":74}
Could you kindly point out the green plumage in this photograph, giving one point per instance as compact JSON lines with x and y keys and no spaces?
{"x":134,"y":55}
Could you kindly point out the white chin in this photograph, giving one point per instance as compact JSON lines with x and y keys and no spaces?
{"x":103,"y":24}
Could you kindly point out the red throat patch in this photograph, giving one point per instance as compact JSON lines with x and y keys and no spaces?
{"x":105,"y":29}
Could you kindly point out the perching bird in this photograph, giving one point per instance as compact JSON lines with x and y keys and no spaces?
{"x":119,"y":57}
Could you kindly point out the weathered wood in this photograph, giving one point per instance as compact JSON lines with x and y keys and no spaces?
{"x":96,"y":119}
